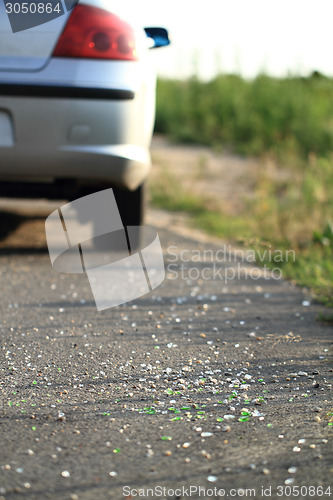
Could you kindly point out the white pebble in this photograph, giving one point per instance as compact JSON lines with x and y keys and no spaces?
{"x":212,"y":479}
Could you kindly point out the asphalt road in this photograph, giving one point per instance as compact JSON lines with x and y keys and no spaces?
{"x":208,"y":387}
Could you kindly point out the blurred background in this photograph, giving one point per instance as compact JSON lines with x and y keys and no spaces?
{"x":246,"y":89}
{"x":279,"y":38}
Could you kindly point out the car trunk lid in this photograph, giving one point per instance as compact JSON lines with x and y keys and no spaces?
{"x":24,"y":44}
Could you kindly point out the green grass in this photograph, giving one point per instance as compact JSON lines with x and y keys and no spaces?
{"x":284,"y":116}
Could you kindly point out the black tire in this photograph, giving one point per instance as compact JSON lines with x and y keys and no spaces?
{"x":130,"y":205}
{"x":131,"y":208}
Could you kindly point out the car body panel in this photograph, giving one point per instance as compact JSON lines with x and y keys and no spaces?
{"x":31,"y":49}
{"x":85,"y":73}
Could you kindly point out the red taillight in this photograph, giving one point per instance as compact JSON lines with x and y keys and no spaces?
{"x":96,"y":34}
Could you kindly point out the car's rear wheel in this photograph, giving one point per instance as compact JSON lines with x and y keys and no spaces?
{"x":130,"y":205}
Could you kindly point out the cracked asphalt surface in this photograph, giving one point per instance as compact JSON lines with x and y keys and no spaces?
{"x":209,"y":387}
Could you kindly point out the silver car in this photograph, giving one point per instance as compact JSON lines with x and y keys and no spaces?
{"x":77,"y":101}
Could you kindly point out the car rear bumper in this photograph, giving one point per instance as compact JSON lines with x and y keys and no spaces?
{"x":93,"y":123}
{"x":123,"y":165}
{"x":64,"y":92}
{"x":74,"y":138}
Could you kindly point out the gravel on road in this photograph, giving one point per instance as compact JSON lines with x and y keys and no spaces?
{"x":209,"y":386}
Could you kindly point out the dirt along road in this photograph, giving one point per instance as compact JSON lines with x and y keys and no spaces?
{"x":224,"y":177}
{"x":215,"y":385}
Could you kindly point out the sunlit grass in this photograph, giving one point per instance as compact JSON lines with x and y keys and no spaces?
{"x":292,"y":116}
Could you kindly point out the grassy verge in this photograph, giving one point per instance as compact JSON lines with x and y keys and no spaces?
{"x":287,"y":121}
{"x":279,"y":218}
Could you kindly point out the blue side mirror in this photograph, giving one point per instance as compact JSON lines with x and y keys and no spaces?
{"x":159,"y":37}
